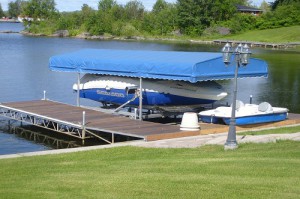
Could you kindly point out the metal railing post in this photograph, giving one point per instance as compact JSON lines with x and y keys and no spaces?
{"x":135,"y":113}
{"x":83,"y":127}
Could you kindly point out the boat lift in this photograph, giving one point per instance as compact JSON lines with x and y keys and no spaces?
{"x":138,"y":94}
{"x":164,"y":65}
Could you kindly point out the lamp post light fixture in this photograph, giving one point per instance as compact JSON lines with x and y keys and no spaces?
{"x":242,"y":56}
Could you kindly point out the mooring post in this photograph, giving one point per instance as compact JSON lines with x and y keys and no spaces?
{"x":44,"y":95}
{"x":83,"y":127}
{"x":250,"y":99}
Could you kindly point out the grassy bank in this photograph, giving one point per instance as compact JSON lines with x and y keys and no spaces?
{"x":277,"y":35}
{"x":253,"y":171}
{"x":283,"y":130}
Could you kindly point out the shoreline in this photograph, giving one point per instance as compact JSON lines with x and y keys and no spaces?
{"x":8,"y":31}
{"x":9,"y":21}
{"x":273,"y":45}
{"x":285,"y":45}
{"x":184,"y":142}
{"x":62,"y":34}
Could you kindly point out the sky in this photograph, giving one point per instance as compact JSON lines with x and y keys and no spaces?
{"x":72,"y":5}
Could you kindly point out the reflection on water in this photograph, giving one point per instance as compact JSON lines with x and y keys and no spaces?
{"x":282,"y":87}
{"x":25,"y":74}
{"x":14,"y":27}
{"x":11,"y":143}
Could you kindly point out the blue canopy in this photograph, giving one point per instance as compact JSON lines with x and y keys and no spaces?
{"x":169,"y":65}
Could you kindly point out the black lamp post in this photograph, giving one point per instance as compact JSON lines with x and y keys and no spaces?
{"x":242,"y":55}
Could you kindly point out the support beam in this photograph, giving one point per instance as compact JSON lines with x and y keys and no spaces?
{"x":141,"y":100}
{"x":83,"y":127}
{"x":78,"y":89}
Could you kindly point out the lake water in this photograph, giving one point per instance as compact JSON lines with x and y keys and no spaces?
{"x":25,"y":74}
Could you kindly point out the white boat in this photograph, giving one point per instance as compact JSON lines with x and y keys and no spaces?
{"x":119,"y":90}
{"x":245,"y":114}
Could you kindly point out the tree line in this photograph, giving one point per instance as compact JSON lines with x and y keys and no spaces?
{"x":185,"y":17}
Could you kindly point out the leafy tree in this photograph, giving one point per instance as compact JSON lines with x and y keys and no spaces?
{"x":111,"y":9}
{"x":15,"y":8}
{"x":102,"y":21}
{"x":134,"y":10}
{"x":106,"y":5}
{"x":285,"y":15}
{"x":71,"y":21}
{"x":86,"y":11}
{"x":240,"y":22}
{"x":40,"y":9}
{"x":278,"y":3}
{"x":1,"y":12}
{"x":128,"y":30}
{"x":162,"y":20}
{"x":166,"y":19}
{"x":196,"y":15}
{"x":93,"y":26}
{"x":147,"y":23}
{"x":265,"y":7}
{"x":159,"y":6}
{"x":189,"y":17}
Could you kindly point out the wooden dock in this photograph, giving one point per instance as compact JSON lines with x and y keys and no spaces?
{"x":83,"y":122}
{"x":68,"y":119}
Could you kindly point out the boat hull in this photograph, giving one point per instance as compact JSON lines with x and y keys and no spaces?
{"x":119,"y":96}
{"x":275,"y":117}
{"x":156,"y":93}
{"x":245,"y":114}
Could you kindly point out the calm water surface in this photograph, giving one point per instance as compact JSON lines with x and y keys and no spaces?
{"x":25,"y":74}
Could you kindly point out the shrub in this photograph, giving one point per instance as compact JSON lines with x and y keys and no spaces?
{"x":128,"y":30}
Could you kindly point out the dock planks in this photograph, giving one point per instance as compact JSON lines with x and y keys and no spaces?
{"x":96,"y":120}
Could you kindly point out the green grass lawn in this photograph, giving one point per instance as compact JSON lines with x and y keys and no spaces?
{"x":283,"y":130}
{"x":277,"y":35}
{"x":253,"y":171}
